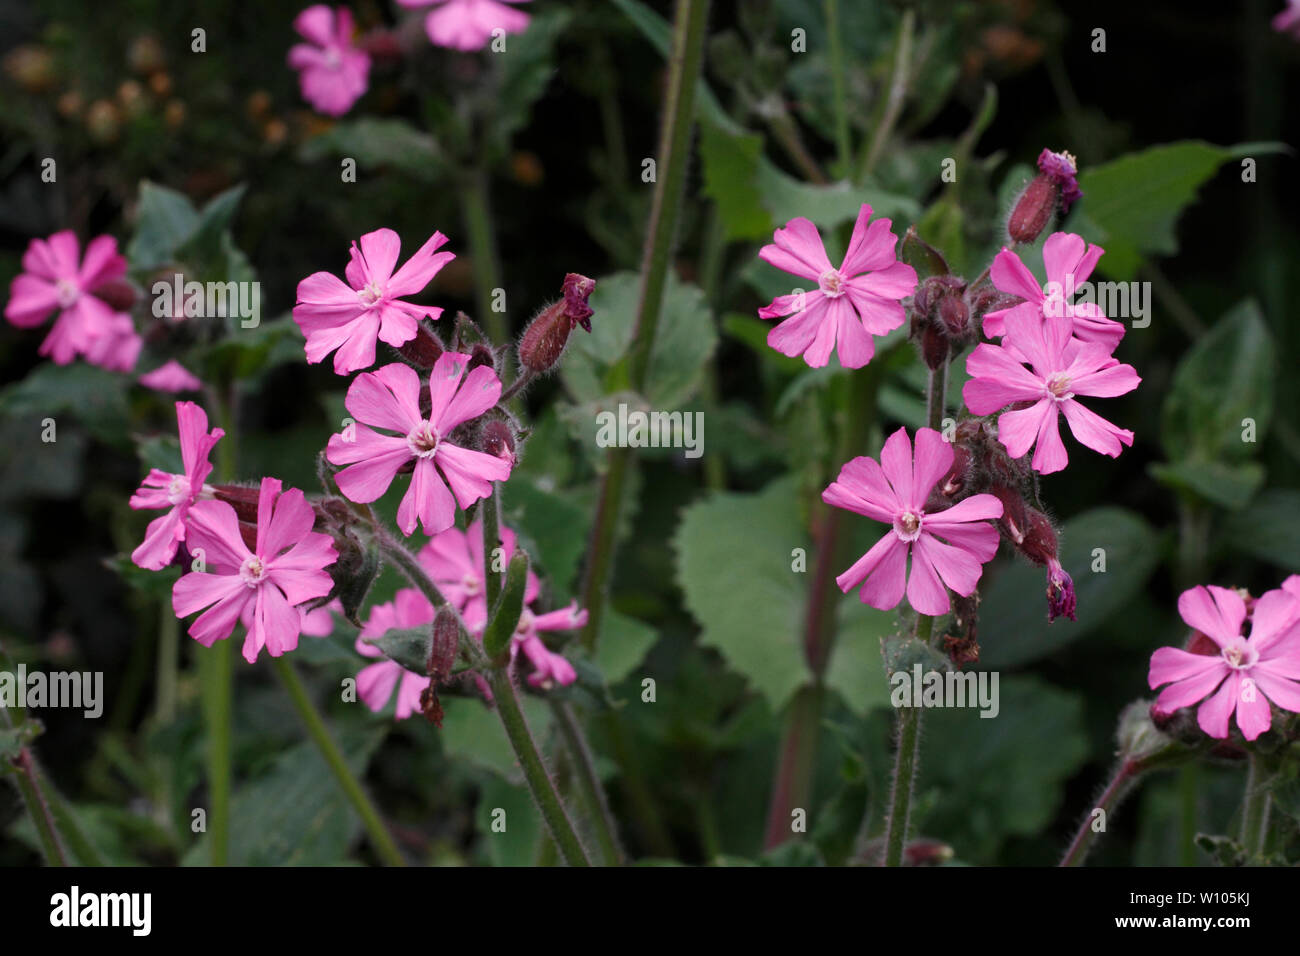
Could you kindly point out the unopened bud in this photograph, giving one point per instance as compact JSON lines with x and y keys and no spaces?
{"x":423,"y":350}
{"x":117,"y":294}
{"x":934,"y":346}
{"x":243,"y":498}
{"x":1014,"y":520}
{"x":955,"y":315}
{"x":498,"y":440}
{"x":543,"y":341}
{"x":445,"y":644}
{"x":481,"y":355}
{"x":1055,"y":183}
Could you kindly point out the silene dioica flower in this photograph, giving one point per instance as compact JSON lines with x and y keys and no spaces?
{"x":176,"y":493}
{"x":469,"y":24}
{"x":389,"y":399}
{"x":260,"y":581}
{"x":848,"y":305}
{"x":333,"y":72}
{"x":56,"y":279}
{"x":947,"y":545}
{"x":1232,"y":672}
{"x":350,"y":317}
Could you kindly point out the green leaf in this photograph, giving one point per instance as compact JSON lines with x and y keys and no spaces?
{"x":730,"y":166}
{"x":165,"y":218}
{"x":554,"y":524}
{"x":95,"y":397}
{"x":736,"y":569}
{"x":509,"y":825}
{"x":624,"y":643}
{"x":991,"y":779}
{"x":407,"y":646}
{"x":1013,"y":628}
{"x":594,"y":365}
{"x":471,"y":731}
{"x":295,"y":814}
{"x":205,"y":241}
{"x":505,"y":616}
{"x":245,"y":354}
{"x":1226,"y":378}
{"x":787,"y":198}
{"x":527,"y":69}
{"x":377,"y":143}
{"x":1269,"y":529}
{"x":1132,"y":204}
{"x":1230,"y":486}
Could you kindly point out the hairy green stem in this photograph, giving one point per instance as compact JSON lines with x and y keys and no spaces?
{"x":588,"y":780}
{"x":906,"y":764}
{"x":507,"y":708}
{"x":674,"y":146}
{"x":311,"y":718}
{"x":1254,"y":816}
{"x":27,"y":778}
{"x":490,"y":509}
{"x":216,"y":676}
{"x":1126,"y":774}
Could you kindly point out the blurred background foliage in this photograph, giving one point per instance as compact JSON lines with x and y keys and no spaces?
{"x":211,"y":160}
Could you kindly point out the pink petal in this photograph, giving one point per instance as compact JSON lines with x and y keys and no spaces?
{"x":1017,"y":430}
{"x":1049,"y":451}
{"x":388,"y":397}
{"x":444,"y":379}
{"x":275,"y":625}
{"x":375,"y":683}
{"x":1062,"y":253}
{"x":427,"y":499}
{"x":160,"y":541}
{"x":797,"y":249}
{"x":290,"y":521}
{"x":882,"y":572}
{"x":862,"y":488}
{"x":420,"y":269}
{"x":924,"y":591}
{"x":1012,"y":276}
{"x":1173,"y":664}
{"x":958,"y":568}
{"x":896,"y":463}
{"x":199,"y":589}
{"x":102,"y":263}
{"x":932,"y":459}
{"x":893,"y":282}
{"x":476,"y":395}
{"x":31,"y":300}
{"x":795,"y":335}
{"x":871,"y":247}
{"x":1212,"y":717}
{"x":214,"y":527}
{"x":470,"y":473}
{"x":1284,"y":693}
{"x":316,"y":23}
{"x":1189,"y":690}
{"x":379,"y":252}
{"x":1274,"y":623}
{"x":879,"y":314}
{"x":855,"y":346}
{"x":171,"y":377}
{"x":1253,"y":713}
{"x":1216,"y":612}
{"x":1094,"y":431}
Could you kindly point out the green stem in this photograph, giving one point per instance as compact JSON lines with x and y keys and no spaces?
{"x":1254,"y":817}
{"x":1189,"y":789}
{"x":1125,"y":776}
{"x":674,"y":146}
{"x":350,"y":785}
{"x":906,"y":763}
{"x":38,"y":808}
{"x":215,"y":679}
{"x":797,"y":763}
{"x":893,"y":104}
{"x":593,"y":791}
{"x":490,"y":509}
{"x":840,"y":94}
{"x":507,"y":708}
{"x":474,"y":196}
{"x":539,"y":781}
{"x":169,"y":642}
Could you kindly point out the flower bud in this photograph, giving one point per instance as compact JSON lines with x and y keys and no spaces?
{"x":498,"y":440}
{"x":243,"y":498}
{"x":1055,"y":184}
{"x":444,"y":646}
{"x":543,"y":341}
{"x":423,"y":350}
{"x":117,"y":294}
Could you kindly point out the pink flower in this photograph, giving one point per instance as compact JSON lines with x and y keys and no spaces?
{"x":177,"y":493}
{"x":375,"y":683}
{"x":454,"y":560}
{"x":389,"y":398}
{"x":334,"y":73}
{"x":351,"y":317}
{"x":118,"y":347}
{"x":320,"y":622}
{"x":950,"y":545}
{"x":1069,"y":261}
{"x":172,"y":377}
{"x":53,"y":280}
{"x":285,"y":568}
{"x":850,"y":304}
{"x":468,"y":24}
{"x":1288,"y":20}
{"x":549,"y":668}
{"x":1061,"y":367}
{"x":1245,"y":675}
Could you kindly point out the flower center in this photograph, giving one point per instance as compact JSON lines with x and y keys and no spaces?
{"x":332,"y":59}
{"x":252,"y":571}
{"x":907,"y":525}
{"x":525,"y":622}
{"x":371,"y":294}
{"x":178,"y":490}
{"x":423,"y":440}
{"x":471,"y":584}
{"x":1058,"y":387}
{"x":831,"y":283}
{"x":1239,"y":655}
{"x":68,"y":293}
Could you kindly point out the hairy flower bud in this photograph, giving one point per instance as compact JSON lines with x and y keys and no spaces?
{"x":1055,"y":184}
{"x":498,"y":439}
{"x":543,"y":341}
{"x":423,"y":350}
{"x":243,"y":498}
{"x":939,"y":317}
{"x":481,"y":355}
{"x":444,"y":645}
